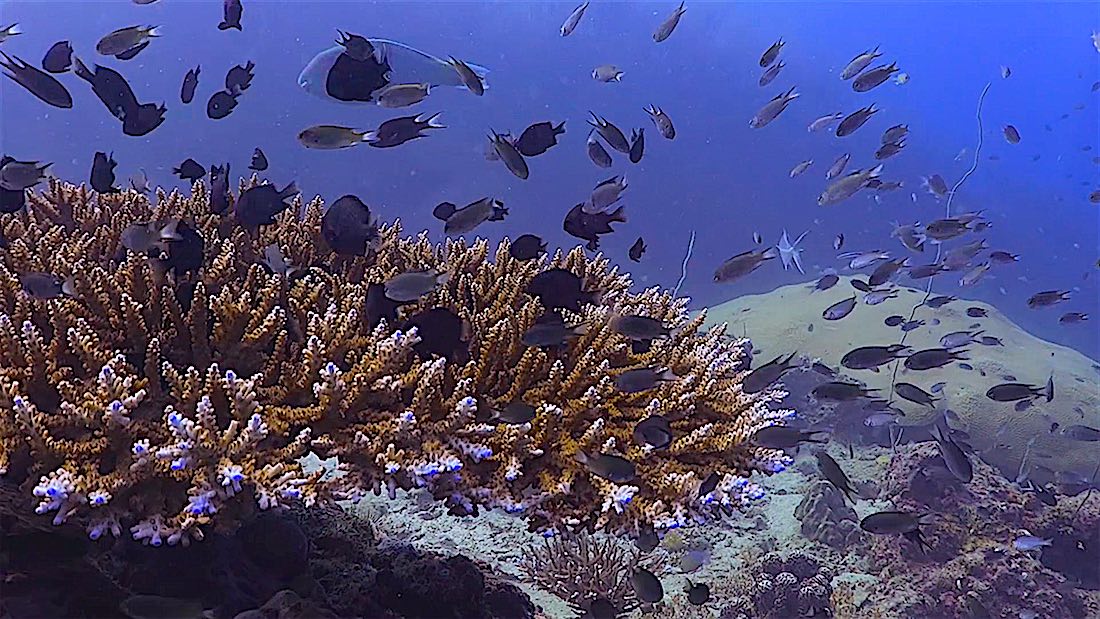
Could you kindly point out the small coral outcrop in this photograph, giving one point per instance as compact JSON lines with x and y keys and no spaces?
{"x":782,"y":587}
{"x":827,"y":518}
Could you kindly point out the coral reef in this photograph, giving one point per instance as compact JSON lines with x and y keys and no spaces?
{"x":972,"y":558}
{"x":581,"y":568}
{"x":780,"y":587}
{"x":826,"y":517}
{"x":173,"y":390}
{"x":318,"y":561}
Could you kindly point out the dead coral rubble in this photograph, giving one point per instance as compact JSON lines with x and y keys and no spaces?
{"x":171,"y":390}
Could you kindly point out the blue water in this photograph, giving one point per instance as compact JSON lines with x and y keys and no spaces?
{"x":719,"y":177}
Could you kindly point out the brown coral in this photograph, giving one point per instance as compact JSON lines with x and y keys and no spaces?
{"x":164,"y":395}
{"x":581,"y":569}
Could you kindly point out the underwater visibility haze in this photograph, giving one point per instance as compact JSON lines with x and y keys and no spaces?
{"x":543,"y":309}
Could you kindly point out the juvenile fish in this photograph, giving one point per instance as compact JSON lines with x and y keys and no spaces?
{"x":597,"y":153}
{"x":397,"y":131}
{"x":1012,"y":135}
{"x":837,"y":168}
{"x":889,"y":150}
{"x":824,"y":122}
{"x":190,"y":83}
{"x":801,"y":167}
{"x":895,"y":133}
{"x":59,"y":58}
{"x":125,"y":39}
{"x":20,"y":175}
{"x":939,"y":301}
{"x":1025,"y":543}
{"x":845,"y":187}
{"x":877,"y":420}
{"x":469,"y":78}
{"x":1070,"y":318}
{"x":403,"y":95}
{"x":638,"y":327}
{"x":469,"y":217}
{"x":826,"y":282}
{"x":770,"y":54}
{"x":885,"y":271}
{"x":637,"y":250}
{"x":875,"y":297}
{"x":958,"y":339}
{"x":771,"y":73}
{"x":957,"y":461}
{"x":537,"y":138}
{"x":610,"y":133}
{"x":637,"y":144}
{"x":1011,"y":392}
{"x":742,"y":264}
{"x":410,"y":286}
{"x":642,"y":379}
{"x":527,"y":247}
{"x":647,"y":586}
{"x":654,"y":431}
{"x":610,"y":467}
{"x":607,"y":73}
{"x":1047,"y":298}
{"x":510,"y":155}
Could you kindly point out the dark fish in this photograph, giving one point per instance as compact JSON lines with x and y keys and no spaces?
{"x":231,"y":12}
{"x":662,"y":122}
{"x":636,"y":250}
{"x":637,"y":144}
{"x":348,"y":227}
{"x":665,"y":29}
{"x":826,"y":282}
{"x":412,"y":285}
{"x":647,"y":539}
{"x":937,"y":186}
{"x":20,"y":175}
{"x":597,"y":153}
{"x":378,"y":307}
{"x":111,"y":88}
{"x":239,"y":78}
{"x":783,"y":437}
{"x":841,"y":392}
{"x":259,"y":161}
{"x":469,"y":217}
{"x":123,"y":41}
{"x":742,"y":264}
{"x":638,"y":327}
{"x":397,"y":131}
{"x":966,"y":366}
{"x":37,"y":82}
{"x":855,"y":120}
{"x":914,"y":394}
{"x":442,"y":333}
{"x":527,"y":247}
{"x":610,"y":467}
{"x":976,"y":312}
{"x":1047,"y":298}
{"x":891,"y":522}
{"x":838,"y":166}
{"x":184,"y":249}
{"x":221,"y":104}
{"x":1011,"y":392}
{"x":930,"y":358}
{"x":911,"y":325}
{"x":11,"y":200}
{"x":957,"y":461}
{"x":832,"y":472}
{"x":1079,"y":432}
{"x":654,"y":431}
{"x":46,"y":286}
{"x":1070,"y":318}
{"x":697,"y":593}
{"x":859,"y":63}
{"x":190,"y":170}
{"x":822,"y":369}
{"x":510,"y":155}
{"x":886,"y":270}
{"x":840,"y":309}
{"x":770,"y":54}
{"x":590,"y":226}
{"x":469,"y":78}
{"x":103,"y":173}
{"x":142,"y":119}
{"x":605,"y":194}
{"x":59,"y":58}
{"x":642,"y":379}
{"x":259,"y":205}
{"x":219,"y":189}
{"x":517,"y":413}
{"x":610,"y":133}
{"x":764,"y":376}
{"x":871,"y":357}
{"x":773,"y":108}
{"x":131,"y":53}
{"x":874,"y":77}
{"x":895,"y":133}
{"x":190,"y":83}
{"x":550,"y":331}
{"x":1012,"y":135}
{"x":924,"y":271}
{"x":940,"y":301}
{"x":709,"y":484}
{"x":860,"y":285}
{"x":355,"y":46}
{"x":889,"y":150}
{"x":938,"y":387}
{"x":538,"y":138}
{"x":893,"y":321}
{"x":559,"y":289}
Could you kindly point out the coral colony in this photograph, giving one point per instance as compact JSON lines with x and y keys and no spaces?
{"x":164,"y":398}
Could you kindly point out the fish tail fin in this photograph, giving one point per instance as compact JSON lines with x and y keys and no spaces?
{"x":618,"y":214}
{"x":559,"y":129}
{"x":960,"y":354}
{"x":791,"y":94}
{"x":153,"y":31}
{"x":875,"y":171}
{"x":770,"y":253}
{"x":289,"y":191}
{"x":432,"y":122}
{"x":13,"y":30}
{"x":810,"y":436}
{"x":68,"y":287}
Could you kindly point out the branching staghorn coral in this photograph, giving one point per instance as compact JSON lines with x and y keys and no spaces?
{"x":164,"y":399}
{"x":581,"y":569}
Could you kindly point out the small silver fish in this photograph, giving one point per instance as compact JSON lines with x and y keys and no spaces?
{"x":573,"y":19}
{"x":403,"y":95}
{"x":837,"y":168}
{"x":664,"y":31}
{"x":801,"y":167}
{"x":772,"y":109}
{"x":824,"y":122}
{"x":1025,"y":543}
{"x":410,"y":286}
{"x":859,"y":63}
{"x":607,"y":73}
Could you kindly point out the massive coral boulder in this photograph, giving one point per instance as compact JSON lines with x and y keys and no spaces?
{"x":167,"y":390}
{"x":790,"y":319}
